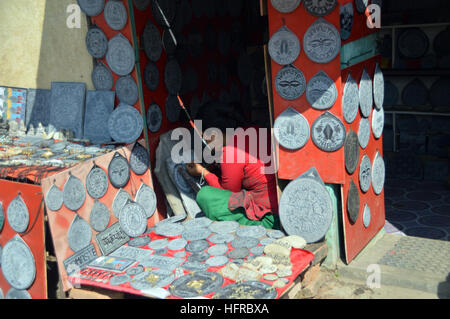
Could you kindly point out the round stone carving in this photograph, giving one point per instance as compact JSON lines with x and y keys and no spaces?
{"x":216,"y":250}
{"x":164,"y":12}
{"x":79,"y":234}
{"x":224,"y":227}
{"x":169,"y":41}
{"x":96,"y":182}
{"x":244,"y":242}
{"x":17,"y":294}
{"x":238,"y":253}
{"x":290,"y":83}
{"x":378,"y":87}
{"x":353,"y":203}
{"x":133,"y":220}
{"x":350,"y":100}
{"x":198,"y":222}
{"x":154,"y":118}
{"x":195,"y":266}
{"x":221,"y":238}
{"x":141,"y":5}
{"x":91,"y":8}
{"x":246,"y":290}
{"x":328,"y":132}
{"x":251,"y":231}
{"x":285,"y":6}
{"x":74,"y":194}
{"x":172,"y":108}
{"x":377,"y":122}
{"x":119,"y":201}
{"x":197,"y":246}
{"x":291,"y":129}
{"x":366,"y":216}
{"x":53,"y":199}
{"x":378,"y":174}
{"x":18,"y":264}
{"x":413,"y":43}
{"x":99,"y":217}
{"x":198,"y":233}
{"x":120,"y":55}
{"x":198,"y":257}
{"x":346,"y":17}
{"x":169,"y":229}
{"x":351,"y":151}
{"x":306,"y":209}
{"x":119,"y":280}
{"x":127,"y":90}
{"x":139,"y":242}
{"x":321,"y":92}
{"x":125,"y":124}
{"x":151,"y":76}
{"x":177,"y":244}
{"x":365,"y":94}
{"x":217,"y":261}
{"x":319,"y":8}
{"x":102,"y":77}
{"x":322,"y":41}
{"x":96,"y":42}
{"x":18,"y":215}
{"x":196,"y":284}
{"x":151,"y":41}
{"x":364,"y":132}
{"x":365,"y":174}
{"x":118,"y":171}
{"x":139,"y":159}
{"x":173,"y":77}
{"x":284,"y":46}
{"x":116,"y":14}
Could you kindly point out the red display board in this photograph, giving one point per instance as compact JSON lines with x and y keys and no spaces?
{"x":34,"y":235}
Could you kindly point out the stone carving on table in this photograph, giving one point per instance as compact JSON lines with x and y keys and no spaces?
{"x":378,"y":174}
{"x":361,"y":5}
{"x":67,"y":106}
{"x":119,"y":171}
{"x":92,"y":8}
{"x":197,"y":246}
{"x":290,"y":83}
{"x":217,"y":261}
{"x":31,"y":131}
{"x":173,"y":77}
{"x":365,"y":94}
{"x":116,"y":15}
{"x":99,"y":217}
{"x":102,"y":77}
{"x":238,"y":253}
{"x":196,"y":284}
{"x":321,"y":92}
{"x":110,"y":263}
{"x":151,"y":41}
{"x":133,"y":219}
{"x":141,"y":5}
{"x":79,"y":234}
{"x":80,"y":259}
{"x":38,"y":107}
{"x":154,"y":118}
{"x":164,"y":11}
{"x":319,"y":8}
{"x":195,"y":43}
{"x":96,"y":42}
{"x":125,"y":124}
{"x":351,"y":151}
{"x":251,"y":231}
{"x":217,"y":250}
{"x":127,"y":90}
{"x":244,"y":242}
{"x":378,"y":87}
{"x":224,"y":227}
{"x":139,"y":242}
{"x":139,"y":159}
{"x":306,"y":207}
{"x":195,"y":266}
{"x":156,"y":278}
{"x":169,"y":229}
{"x":346,"y":18}
{"x":377,"y":122}
{"x":177,"y":244}
{"x":99,"y":106}
{"x":350,"y":100}
{"x":162,"y":262}
{"x":353,"y":203}
{"x":97,"y":182}
{"x":197,"y":233}
{"x":366,"y":216}
{"x":18,"y":264}
{"x":221,"y":238}
{"x":328,"y":132}
{"x":119,"y":280}
{"x":151,"y":76}
{"x":364,"y":132}
{"x":285,"y":6}
{"x":198,"y":222}
{"x":365,"y":174}
{"x":172,"y":108}
{"x":74,"y":193}
{"x":284,"y":46}
{"x":119,"y":201}
{"x":246,"y":290}
{"x":133,"y":271}
{"x":169,"y":41}
{"x":120,"y":55}
{"x":322,"y":41}
{"x":111,"y":239}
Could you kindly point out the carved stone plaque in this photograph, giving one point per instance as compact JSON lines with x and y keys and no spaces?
{"x":133,"y":271}
{"x":346,"y":16}
{"x":328,"y":132}
{"x":321,"y":92}
{"x":91,"y":8}
{"x":126,"y":90}
{"x":162,"y":262}
{"x":79,"y":234}
{"x":238,"y":253}
{"x":169,"y":229}
{"x":139,"y":241}
{"x":111,"y":239}
{"x":97,"y":182}
{"x":350,"y":100}
{"x":125,"y":124}
{"x":244,"y":242}
{"x":364,"y":132}
{"x":306,"y":208}
{"x":139,"y":159}
{"x":353,"y":203}
{"x":251,"y":231}
{"x":114,"y":264}
{"x":365,"y":94}
{"x":172,"y":108}
{"x":378,"y":87}
{"x":99,"y":217}
{"x":169,"y":41}
{"x":38,"y":107}
{"x":351,"y":151}
{"x":378,"y":174}
{"x":290,"y":83}
{"x":221,"y":238}
{"x":120,"y":56}
{"x":224,"y":227}
{"x":74,"y":194}
{"x":141,"y":5}
{"x":67,"y":106}
{"x":195,"y":266}
{"x":132,"y":219}
{"x":217,"y":261}
{"x":284,"y":46}
{"x":196,"y":284}
{"x":197,"y":246}
{"x":322,"y":41}
{"x":102,"y":77}
{"x":119,"y":280}
{"x":119,"y":171}
{"x":158,"y":244}
{"x":18,"y":265}
{"x":366,"y":216}
{"x":196,"y":233}
{"x":157,"y":278}
{"x":119,"y":201}
{"x":246,"y":290}
{"x":365,"y":174}
{"x":151,"y":41}
{"x":198,"y":222}
{"x":177,"y":244}
{"x":154,"y":118}
{"x":96,"y":42}
{"x":319,"y":8}
{"x":116,"y":14}
{"x":173,"y":77}
{"x":80,"y":259}
{"x":285,"y":6}
{"x":219,"y":249}
{"x":377,"y":122}
{"x":291,"y":129}
{"x":53,"y":199}
{"x":164,"y":11}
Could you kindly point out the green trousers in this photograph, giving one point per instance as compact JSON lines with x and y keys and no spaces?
{"x":214,"y":203}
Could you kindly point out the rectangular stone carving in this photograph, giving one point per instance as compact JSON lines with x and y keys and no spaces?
{"x":99,"y":105}
{"x":131,"y":253}
{"x":79,"y":260}
{"x":162,"y":262}
{"x":38,"y":107}
{"x":111,"y":239}
{"x":67,"y":106}
{"x":111,"y":263}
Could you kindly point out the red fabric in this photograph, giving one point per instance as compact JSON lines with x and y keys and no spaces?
{"x":243,"y":173}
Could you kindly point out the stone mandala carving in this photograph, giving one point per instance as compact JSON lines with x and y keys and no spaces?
{"x":350,"y":100}
{"x":328,"y":132}
{"x":120,"y":55}
{"x":284,"y":46}
{"x":291,"y":129}
{"x":290,"y":83}
{"x":321,"y":92}
{"x":322,"y":41}
{"x":97,"y":182}
{"x":125,"y":124}
{"x":285,"y":6}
